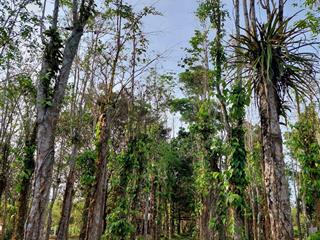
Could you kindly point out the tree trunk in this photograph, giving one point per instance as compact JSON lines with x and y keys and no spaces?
{"x":5,"y":151}
{"x":276,"y":184}
{"x":237,"y":142}
{"x":47,"y":231}
{"x":82,"y":235}
{"x":96,"y":212}
{"x":264,"y":218}
{"x":42,"y":183}
{"x":135,"y":205}
{"x":25,"y":185}
{"x":146,"y":218}
{"x":205,"y":232}
{"x":317,"y":213}
{"x":159,"y":217}
{"x":153,"y":209}
{"x":4,"y":215}
{"x":298,"y":218}
{"x":62,"y":233}
{"x":254,"y":211}
{"x":171,"y":221}
{"x":239,"y":230}
{"x":47,"y":118}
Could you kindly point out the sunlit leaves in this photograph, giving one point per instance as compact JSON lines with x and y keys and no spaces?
{"x":304,"y":147}
{"x":277,"y":55}
{"x":85,"y":162}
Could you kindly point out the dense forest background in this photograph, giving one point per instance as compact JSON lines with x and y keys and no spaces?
{"x":101,"y":139}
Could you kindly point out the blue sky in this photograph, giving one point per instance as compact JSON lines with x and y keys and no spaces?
{"x":171,"y":32}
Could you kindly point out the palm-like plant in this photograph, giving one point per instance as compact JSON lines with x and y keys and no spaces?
{"x":274,"y":54}
{"x":275,"y":63}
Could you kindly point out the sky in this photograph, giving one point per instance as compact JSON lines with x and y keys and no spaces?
{"x":170,"y":33}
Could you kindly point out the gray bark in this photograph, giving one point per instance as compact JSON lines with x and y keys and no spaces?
{"x":146,"y":217}
{"x":63,"y":228}
{"x":47,"y":117}
{"x":277,"y":190}
{"x":96,"y":212}
{"x":47,"y":231}
{"x":25,"y":184}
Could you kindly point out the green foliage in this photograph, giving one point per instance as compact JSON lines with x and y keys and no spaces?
{"x":27,"y":162}
{"x":303,"y":143}
{"x":128,"y":171}
{"x":67,"y":3}
{"x":86,"y":165}
{"x":180,"y":172}
{"x":275,"y":55}
{"x":312,"y":16}
{"x":211,"y":10}
{"x":118,"y":225}
{"x":194,"y":80}
{"x":18,"y":24}
{"x":53,"y":58}
{"x":26,"y":85}
{"x":314,"y":236}
{"x":237,"y":176}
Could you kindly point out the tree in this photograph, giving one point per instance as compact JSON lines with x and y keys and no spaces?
{"x":272,"y":52}
{"x":304,"y":146}
{"x":52,"y":82}
{"x":206,"y":123}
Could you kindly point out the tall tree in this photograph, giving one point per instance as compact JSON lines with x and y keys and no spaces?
{"x":52,"y":83}
{"x":304,"y":146}
{"x":270,"y":49}
{"x":239,"y":99}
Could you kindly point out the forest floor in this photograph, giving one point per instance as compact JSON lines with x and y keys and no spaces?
{"x":180,"y":237}
{"x":183,"y":238}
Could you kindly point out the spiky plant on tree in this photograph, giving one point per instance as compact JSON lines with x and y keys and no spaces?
{"x":274,"y":61}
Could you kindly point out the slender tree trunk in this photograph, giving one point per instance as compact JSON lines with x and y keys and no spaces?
{"x":82,"y":235}
{"x":159,"y":216}
{"x":276,"y":184}
{"x":248,"y":225}
{"x":246,"y":14}
{"x":298,"y":218}
{"x":4,"y":215}
{"x":237,"y":142}
{"x":47,"y":231}
{"x":96,"y":212}
{"x":297,"y":196}
{"x":205,"y":232}
{"x":253,"y":201}
{"x":167,"y":220}
{"x":47,"y":117}
{"x":171,"y":220}
{"x":42,"y":183}
{"x":146,"y":218}
{"x":135,"y":200}
{"x":153,"y":209}
{"x":63,"y":228}
{"x":179,"y":222}
{"x":281,"y":6}
{"x":5,"y":152}
{"x":25,"y":185}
